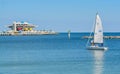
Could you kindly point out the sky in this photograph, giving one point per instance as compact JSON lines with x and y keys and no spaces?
{"x":61,"y":15}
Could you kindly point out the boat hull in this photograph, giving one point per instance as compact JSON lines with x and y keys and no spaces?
{"x":96,"y":48}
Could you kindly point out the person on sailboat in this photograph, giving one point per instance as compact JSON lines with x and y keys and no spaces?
{"x":92,"y":43}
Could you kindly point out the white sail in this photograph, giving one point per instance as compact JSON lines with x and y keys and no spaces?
{"x":98,"y":31}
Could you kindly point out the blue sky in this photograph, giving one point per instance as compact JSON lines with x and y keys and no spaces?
{"x":61,"y":15}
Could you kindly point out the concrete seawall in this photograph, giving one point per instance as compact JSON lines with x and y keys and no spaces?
{"x":106,"y":37}
{"x":26,"y":33}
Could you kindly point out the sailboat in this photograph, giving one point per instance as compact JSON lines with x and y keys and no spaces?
{"x":69,"y":33}
{"x":97,"y":42}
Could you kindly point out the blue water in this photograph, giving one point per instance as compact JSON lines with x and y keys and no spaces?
{"x":57,"y":54}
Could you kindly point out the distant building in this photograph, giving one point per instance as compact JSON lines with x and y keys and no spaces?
{"x":21,"y":26}
{"x":25,"y":28}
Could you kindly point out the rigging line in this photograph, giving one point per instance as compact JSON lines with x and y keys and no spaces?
{"x":91,"y":32}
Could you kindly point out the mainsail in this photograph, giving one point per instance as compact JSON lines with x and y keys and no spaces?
{"x":98,"y":31}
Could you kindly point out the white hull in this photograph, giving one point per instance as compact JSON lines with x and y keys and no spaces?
{"x":96,"y":48}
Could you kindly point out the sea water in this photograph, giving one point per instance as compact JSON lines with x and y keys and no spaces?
{"x":57,"y":54}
